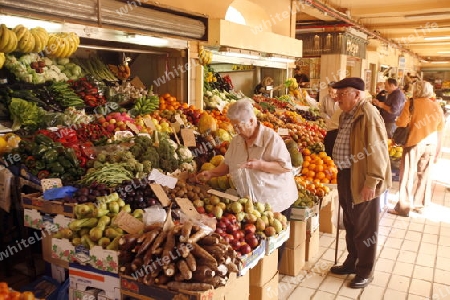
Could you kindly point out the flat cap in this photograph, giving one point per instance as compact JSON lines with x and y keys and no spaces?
{"x":354,"y":82}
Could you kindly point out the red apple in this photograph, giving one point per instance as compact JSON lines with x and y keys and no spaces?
{"x":219,"y":230}
{"x":238,"y":234}
{"x":245,"y":249}
{"x":230,"y":229}
{"x":200,"y":209}
{"x":250,"y":228}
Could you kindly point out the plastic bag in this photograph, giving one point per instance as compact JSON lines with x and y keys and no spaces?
{"x":154,"y":214}
{"x":58,"y":193}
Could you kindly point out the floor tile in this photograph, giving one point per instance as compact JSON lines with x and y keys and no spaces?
{"x":415,"y":297}
{"x":410,"y":245}
{"x":403,"y":269}
{"x":430,"y":238}
{"x":430,"y":229}
{"x":381,"y":279}
{"x":407,"y":256}
{"x":302,"y":293}
{"x":389,"y":253}
{"x":392,"y":295}
{"x":326,"y":241}
{"x":416,"y":226}
{"x":444,"y":241}
{"x":425,"y":273}
{"x":420,"y":287}
{"x":441,"y":276}
{"x":331,"y":284}
{"x":312,"y":281}
{"x":285,"y":289}
{"x":399,"y":283}
{"x":413,"y":235}
{"x":443,"y":251}
{"x":397,"y":233}
{"x":428,"y":248}
{"x":372,"y":292}
{"x":323,"y":295}
{"x":440,"y":291}
{"x":384,"y":265}
{"x":442,"y":263}
{"x":348,"y":292}
{"x":394,"y":243}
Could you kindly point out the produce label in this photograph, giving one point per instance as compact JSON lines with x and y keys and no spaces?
{"x":159,"y":192}
{"x":133,"y":127}
{"x":188,"y":137}
{"x":283,"y":131}
{"x":149,"y":123}
{"x":176,"y":127}
{"x":162,"y":179}
{"x":223,"y":195}
{"x":129,"y":223}
{"x":179,"y":120}
{"x":187,"y":207}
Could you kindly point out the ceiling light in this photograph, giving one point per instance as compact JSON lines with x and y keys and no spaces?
{"x":143,"y":40}
{"x":437,"y":38}
{"x":227,"y":51}
{"x":280,"y":58}
{"x":439,"y":62}
{"x":443,"y":52}
{"x":427,"y":15}
{"x":13,"y":21}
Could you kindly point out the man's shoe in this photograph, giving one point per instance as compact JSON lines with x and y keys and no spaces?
{"x":358,"y":282}
{"x":342,"y":270}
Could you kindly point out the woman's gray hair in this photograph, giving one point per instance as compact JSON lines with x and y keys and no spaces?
{"x":241,"y":110}
{"x":423,"y":89}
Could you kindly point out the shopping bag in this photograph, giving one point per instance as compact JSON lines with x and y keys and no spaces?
{"x":400,"y":135}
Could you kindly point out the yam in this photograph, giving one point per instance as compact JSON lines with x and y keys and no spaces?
{"x":197,"y":236}
{"x":209,"y":240}
{"x":203,"y":272}
{"x":202,"y":254}
{"x":148,"y":239}
{"x":186,"y":231}
{"x":191,"y":262}
{"x":184,"y":269}
{"x":158,"y":242}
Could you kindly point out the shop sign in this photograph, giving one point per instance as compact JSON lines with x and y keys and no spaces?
{"x":352,"y":48}
{"x":401,"y":62}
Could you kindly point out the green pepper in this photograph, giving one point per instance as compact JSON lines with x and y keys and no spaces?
{"x":70,"y":154}
{"x":56,"y":167}
{"x":44,"y":140}
{"x":40,"y":165}
{"x":50,"y":156}
{"x":64,"y":162}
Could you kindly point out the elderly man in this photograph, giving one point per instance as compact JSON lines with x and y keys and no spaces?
{"x":392,"y":107}
{"x":360,"y":152}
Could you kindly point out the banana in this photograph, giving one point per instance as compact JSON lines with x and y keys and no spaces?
{"x":4,"y":37}
{"x":38,"y":42}
{"x":31,"y":43}
{"x":13,"y":42}
{"x":2,"y":59}
{"x":20,"y":30}
{"x":52,"y":45}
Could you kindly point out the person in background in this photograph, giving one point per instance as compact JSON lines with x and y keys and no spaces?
{"x":390,"y":109}
{"x":327,"y":105}
{"x":361,"y":154}
{"x":302,"y":78}
{"x":332,"y":126}
{"x":263,"y":152}
{"x":262,"y":87}
{"x":420,"y":151}
{"x":330,"y":112}
{"x":381,"y":92}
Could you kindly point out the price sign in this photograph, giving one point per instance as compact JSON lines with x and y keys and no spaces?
{"x":133,"y":127}
{"x":283,"y":131}
{"x":188,"y":136}
{"x":161,"y":194}
{"x":149,"y":123}
{"x":162,"y":179}
{"x":129,"y":223}
{"x":223,"y":195}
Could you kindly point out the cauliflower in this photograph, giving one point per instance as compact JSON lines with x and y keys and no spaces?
{"x":185,"y":154}
{"x":51,"y":75}
{"x":48,"y":61}
{"x":189,"y":167}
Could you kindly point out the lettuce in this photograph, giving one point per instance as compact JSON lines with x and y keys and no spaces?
{"x":24,"y":113}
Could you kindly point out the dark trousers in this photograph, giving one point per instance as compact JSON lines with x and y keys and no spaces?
{"x":328,"y":141}
{"x":361,"y":225}
{"x":286,"y":213}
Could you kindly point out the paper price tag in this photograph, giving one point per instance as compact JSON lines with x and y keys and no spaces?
{"x":129,"y":223}
{"x":283,"y":131}
{"x":188,"y":136}
{"x":161,"y":194}
{"x":223,"y":195}
{"x":187,"y":208}
{"x":149,"y":123}
{"x":133,"y":127}
{"x":179,"y":120}
{"x":162,"y":179}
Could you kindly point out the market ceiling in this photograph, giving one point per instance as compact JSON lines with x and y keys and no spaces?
{"x":413,"y":25}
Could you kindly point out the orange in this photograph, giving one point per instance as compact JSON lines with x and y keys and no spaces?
{"x":325,"y":180}
{"x":316,"y":181}
{"x":320,"y":175}
{"x":305,"y":164}
{"x":307,"y":158}
{"x":322,"y":154}
{"x":313,"y":156}
{"x":333,"y":181}
{"x":319,"y":168}
{"x":305,"y":171}
{"x":319,"y":161}
{"x":311,"y":174}
{"x":306,"y":151}
{"x":312,"y":167}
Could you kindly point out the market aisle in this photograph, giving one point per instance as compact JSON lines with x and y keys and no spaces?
{"x":413,"y":259}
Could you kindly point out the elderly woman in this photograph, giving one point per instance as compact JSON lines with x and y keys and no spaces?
{"x":420,"y":151}
{"x":263,"y":87}
{"x":263,"y":154}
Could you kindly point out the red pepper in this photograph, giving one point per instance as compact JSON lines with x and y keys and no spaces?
{"x":82,"y":161}
{"x":92,"y":91}
{"x":43,"y":174}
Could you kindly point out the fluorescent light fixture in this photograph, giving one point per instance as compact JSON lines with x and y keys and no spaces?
{"x":227,"y":51}
{"x":428,"y":15}
{"x":437,"y":38}
{"x":443,"y":52}
{"x":145,"y":40}
{"x":13,"y":21}
{"x":439,"y":62}
{"x":280,"y":58}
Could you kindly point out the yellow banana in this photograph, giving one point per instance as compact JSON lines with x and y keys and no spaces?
{"x":13,"y":42}
{"x":31,"y":44}
{"x":20,"y":30}
{"x":2,"y":60}
{"x":4,"y":38}
{"x":38,"y":41}
{"x":24,"y":42}
{"x":52,"y":45}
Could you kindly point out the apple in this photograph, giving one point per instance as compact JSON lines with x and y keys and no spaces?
{"x":222,"y":225}
{"x":219,"y":230}
{"x":235,"y":244}
{"x":200,"y":209}
{"x":230,"y":229}
{"x":238,"y":234}
{"x":252,"y":242}
{"x":250,"y":228}
{"x":245,"y":249}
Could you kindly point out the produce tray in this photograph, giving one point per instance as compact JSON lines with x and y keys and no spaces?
{"x":250,"y":260}
{"x":274,"y":242}
{"x":300,"y":213}
{"x":35,"y":201}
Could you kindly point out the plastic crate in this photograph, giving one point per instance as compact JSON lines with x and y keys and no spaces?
{"x":43,"y":288}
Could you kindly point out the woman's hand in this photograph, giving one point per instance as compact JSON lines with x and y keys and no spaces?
{"x":204,"y":176}
{"x":255,"y":164}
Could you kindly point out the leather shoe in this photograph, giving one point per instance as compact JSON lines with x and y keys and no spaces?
{"x":359,"y":282}
{"x":342,"y":270}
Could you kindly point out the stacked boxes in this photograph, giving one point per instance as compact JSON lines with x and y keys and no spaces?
{"x":264,"y":278}
{"x":293,"y":258}
{"x":312,"y":238}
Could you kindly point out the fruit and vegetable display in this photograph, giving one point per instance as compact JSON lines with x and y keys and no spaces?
{"x":192,"y":258}
{"x":7,"y":293}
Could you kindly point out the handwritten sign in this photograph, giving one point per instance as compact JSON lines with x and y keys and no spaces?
{"x":149,"y":123}
{"x":223,"y":195}
{"x":162,"y":179}
{"x":176,"y":126}
{"x":129,"y":223}
{"x":133,"y":127}
{"x":188,"y":136}
{"x":283,"y":131}
{"x":179,"y":120}
{"x":187,"y":207}
{"x":161,"y":194}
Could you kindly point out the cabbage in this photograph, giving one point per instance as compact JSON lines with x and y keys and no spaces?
{"x":48,"y":61}
{"x":63,"y":61}
{"x":76,"y":71}
{"x":38,"y":78}
{"x":61,"y":67}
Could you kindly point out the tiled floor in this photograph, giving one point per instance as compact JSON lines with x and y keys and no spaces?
{"x":413,"y":260}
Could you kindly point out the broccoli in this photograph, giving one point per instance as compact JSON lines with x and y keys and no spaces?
{"x":137,"y":150}
{"x":151,"y":155}
{"x":147,"y":166}
{"x":127,"y":155}
{"x":143,"y":140}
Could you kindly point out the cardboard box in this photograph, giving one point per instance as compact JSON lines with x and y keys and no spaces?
{"x":299,"y":213}
{"x":274,"y":242}
{"x":35,"y":201}
{"x":237,"y":288}
{"x":250,"y":260}
{"x":35,"y":219}
{"x":312,"y":244}
{"x":264,"y":271}
{"x":312,"y":223}
{"x":293,"y":260}
{"x":297,"y":235}
{"x":267,"y":292}
{"x":325,"y":219}
{"x":84,"y":277}
{"x":47,"y":252}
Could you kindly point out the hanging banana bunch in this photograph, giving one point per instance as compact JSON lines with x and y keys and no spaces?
{"x":62,"y":44}
{"x":8,"y":39}
{"x":204,"y":56}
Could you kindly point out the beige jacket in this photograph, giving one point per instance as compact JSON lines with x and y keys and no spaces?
{"x":371,"y":166}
